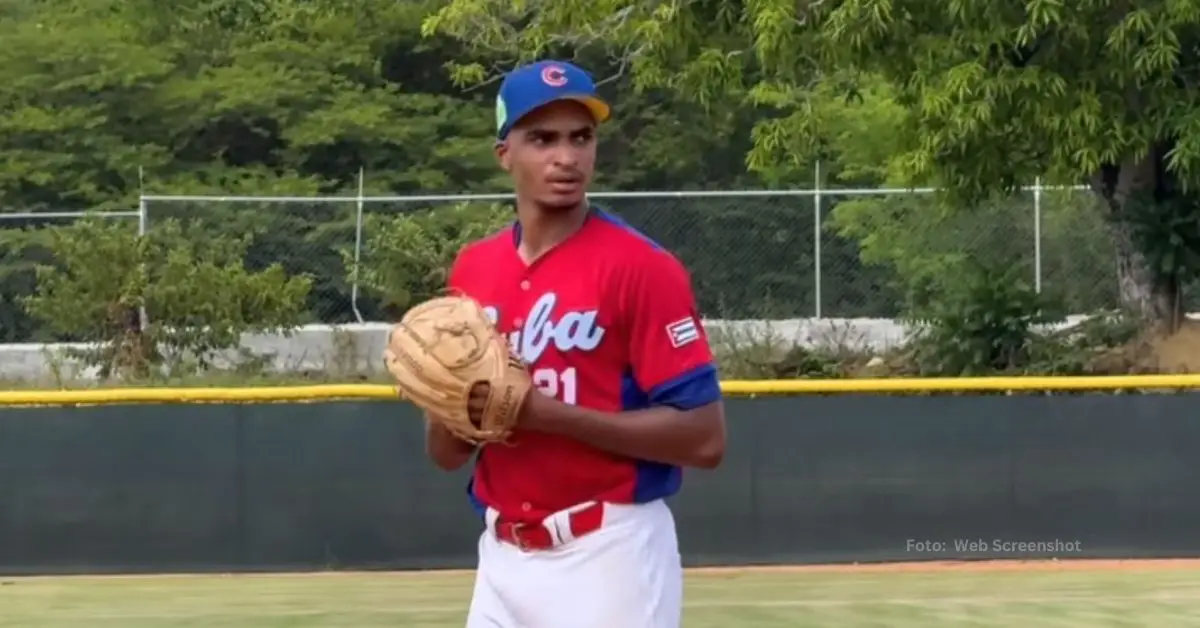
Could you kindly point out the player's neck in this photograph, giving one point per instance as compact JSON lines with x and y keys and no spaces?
{"x":542,"y":230}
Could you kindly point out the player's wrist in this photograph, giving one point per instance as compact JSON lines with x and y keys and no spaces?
{"x":540,"y":412}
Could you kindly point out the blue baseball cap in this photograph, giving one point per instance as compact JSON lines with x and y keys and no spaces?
{"x":538,"y":84}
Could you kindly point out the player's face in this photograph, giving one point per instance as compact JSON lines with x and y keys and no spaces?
{"x":551,"y":155}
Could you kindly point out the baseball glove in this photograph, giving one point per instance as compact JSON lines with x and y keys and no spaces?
{"x":448,"y":358}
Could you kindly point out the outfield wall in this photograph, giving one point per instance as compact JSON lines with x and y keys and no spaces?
{"x":357,"y":348}
{"x":806,"y":480}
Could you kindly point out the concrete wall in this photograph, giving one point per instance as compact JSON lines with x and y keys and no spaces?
{"x":357,"y":348}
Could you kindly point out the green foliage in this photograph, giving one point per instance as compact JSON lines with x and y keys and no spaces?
{"x":106,"y":99}
{"x":1166,"y":230}
{"x":214,"y":97}
{"x":987,"y":95}
{"x":998,"y":93}
{"x":1106,"y":344}
{"x":197,"y":294}
{"x":1077,"y":252}
{"x":983,"y":321}
{"x":673,"y":46}
{"x":928,"y":245}
{"x":925,"y":246}
{"x":1068,"y":89}
{"x":272,"y":97}
{"x":406,"y":257}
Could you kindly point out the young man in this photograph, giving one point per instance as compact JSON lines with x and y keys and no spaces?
{"x":577,"y":532}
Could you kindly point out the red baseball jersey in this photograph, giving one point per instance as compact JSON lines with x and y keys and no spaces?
{"x":606,"y":320}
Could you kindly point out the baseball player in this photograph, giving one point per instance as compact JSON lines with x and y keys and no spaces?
{"x":577,"y":533}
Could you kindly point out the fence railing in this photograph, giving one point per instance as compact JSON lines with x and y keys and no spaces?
{"x":821,"y":252}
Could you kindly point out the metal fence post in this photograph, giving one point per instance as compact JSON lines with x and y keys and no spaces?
{"x":1037,"y":234}
{"x":143,"y":229}
{"x":817,"y":238}
{"x":358,"y":231}
{"x":817,"y":191}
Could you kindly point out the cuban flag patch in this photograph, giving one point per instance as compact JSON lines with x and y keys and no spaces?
{"x":683,"y":331}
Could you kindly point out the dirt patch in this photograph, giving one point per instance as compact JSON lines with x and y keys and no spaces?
{"x":1179,"y":352}
{"x":1047,"y":565}
{"x":971,"y":565}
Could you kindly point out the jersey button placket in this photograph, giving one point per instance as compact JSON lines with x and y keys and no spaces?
{"x":518,"y":322}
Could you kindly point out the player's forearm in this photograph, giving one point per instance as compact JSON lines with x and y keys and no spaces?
{"x":694,"y":438}
{"x":447,"y":451}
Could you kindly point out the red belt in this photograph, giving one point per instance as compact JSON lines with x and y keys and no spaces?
{"x":535,"y":536}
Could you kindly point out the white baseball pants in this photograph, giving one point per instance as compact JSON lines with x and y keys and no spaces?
{"x":627,"y":574}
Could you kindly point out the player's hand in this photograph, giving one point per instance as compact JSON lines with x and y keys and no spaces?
{"x":534,"y":408}
{"x":530,"y":411}
{"x":476,"y":402}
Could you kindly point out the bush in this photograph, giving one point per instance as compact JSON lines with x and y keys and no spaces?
{"x":984,"y":321}
{"x":194,"y":287}
{"x":406,"y":257}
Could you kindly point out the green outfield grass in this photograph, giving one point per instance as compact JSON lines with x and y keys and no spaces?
{"x":1142,"y":597}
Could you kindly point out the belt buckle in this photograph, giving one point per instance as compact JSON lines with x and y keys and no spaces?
{"x":514,"y":530}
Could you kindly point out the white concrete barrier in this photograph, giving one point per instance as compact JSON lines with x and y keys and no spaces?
{"x":356,"y":348}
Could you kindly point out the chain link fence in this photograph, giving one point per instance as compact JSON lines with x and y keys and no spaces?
{"x":882,"y":248}
{"x":306,"y":236}
{"x":762,"y":255}
{"x":1078,"y":259}
{"x":25,"y":244}
{"x":835,"y":253}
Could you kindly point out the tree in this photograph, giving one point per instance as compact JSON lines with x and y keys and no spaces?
{"x":217,"y":97}
{"x":198,"y":296}
{"x":406,"y":257}
{"x":112,"y":98}
{"x":993,"y":93}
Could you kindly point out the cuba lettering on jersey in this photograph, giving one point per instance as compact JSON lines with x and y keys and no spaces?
{"x":605,"y":320}
{"x":574,"y":331}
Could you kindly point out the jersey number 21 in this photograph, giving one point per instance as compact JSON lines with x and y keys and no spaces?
{"x":560,"y":385}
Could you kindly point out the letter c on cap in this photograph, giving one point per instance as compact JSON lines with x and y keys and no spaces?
{"x":554,"y":76}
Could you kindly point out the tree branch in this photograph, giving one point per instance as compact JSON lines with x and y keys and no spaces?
{"x":498,"y":75}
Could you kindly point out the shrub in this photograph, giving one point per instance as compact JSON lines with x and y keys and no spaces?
{"x":193,"y":285}
{"x":985,"y":321}
{"x":406,"y":257}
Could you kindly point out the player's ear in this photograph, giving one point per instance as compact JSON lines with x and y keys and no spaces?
{"x":503,"y":157}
